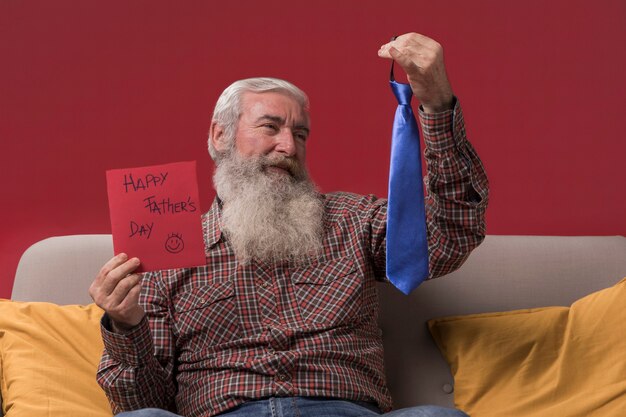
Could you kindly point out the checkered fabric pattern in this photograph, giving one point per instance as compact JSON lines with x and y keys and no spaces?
{"x":219,"y":335}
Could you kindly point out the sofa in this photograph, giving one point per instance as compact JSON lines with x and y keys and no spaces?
{"x":511,"y":289}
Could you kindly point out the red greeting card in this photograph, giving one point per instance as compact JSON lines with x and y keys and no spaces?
{"x":155,"y":215}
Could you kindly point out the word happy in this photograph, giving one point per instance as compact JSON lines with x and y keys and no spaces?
{"x":144,"y":182}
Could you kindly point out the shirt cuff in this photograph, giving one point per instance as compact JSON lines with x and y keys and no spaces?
{"x":132,"y":348}
{"x":441,"y":130}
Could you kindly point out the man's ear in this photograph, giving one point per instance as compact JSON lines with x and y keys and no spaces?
{"x":217,"y":137}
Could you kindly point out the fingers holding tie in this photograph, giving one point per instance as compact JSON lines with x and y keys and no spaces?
{"x":422,"y":59}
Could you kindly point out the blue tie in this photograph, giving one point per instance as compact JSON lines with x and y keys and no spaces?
{"x":407,"y":241}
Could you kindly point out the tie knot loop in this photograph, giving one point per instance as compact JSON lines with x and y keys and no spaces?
{"x":402,"y":92}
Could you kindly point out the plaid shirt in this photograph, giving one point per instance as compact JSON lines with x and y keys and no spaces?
{"x":219,"y":335}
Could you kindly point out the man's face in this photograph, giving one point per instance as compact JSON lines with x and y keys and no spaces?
{"x":272,"y":125}
{"x":272,"y":210}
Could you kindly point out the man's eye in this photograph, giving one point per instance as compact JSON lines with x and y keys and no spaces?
{"x":270,"y":126}
{"x":300,"y":134}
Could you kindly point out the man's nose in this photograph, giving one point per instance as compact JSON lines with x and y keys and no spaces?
{"x":286,"y":143}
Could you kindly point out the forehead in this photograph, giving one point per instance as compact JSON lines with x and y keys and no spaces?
{"x":255,"y":105}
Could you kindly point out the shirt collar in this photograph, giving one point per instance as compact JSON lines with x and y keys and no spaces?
{"x":212,"y":223}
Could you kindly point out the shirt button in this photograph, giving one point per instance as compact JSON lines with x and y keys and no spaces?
{"x":282,"y":377}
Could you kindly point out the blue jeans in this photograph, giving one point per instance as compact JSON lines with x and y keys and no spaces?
{"x":310,"y":407}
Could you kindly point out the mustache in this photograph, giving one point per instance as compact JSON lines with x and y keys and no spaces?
{"x":289,"y":164}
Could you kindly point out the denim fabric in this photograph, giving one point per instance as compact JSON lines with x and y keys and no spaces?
{"x":311,"y":407}
{"x":147,"y":412}
{"x":426,"y":411}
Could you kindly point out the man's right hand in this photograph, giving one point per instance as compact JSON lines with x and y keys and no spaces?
{"x":116,"y":290}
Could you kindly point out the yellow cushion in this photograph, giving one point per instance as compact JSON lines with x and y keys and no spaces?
{"x":544,"y":362}
{"x":49,"y":355}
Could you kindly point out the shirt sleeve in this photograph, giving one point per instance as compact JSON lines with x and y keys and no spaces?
{"x":136,"y":369}
{"x":457,"y":191}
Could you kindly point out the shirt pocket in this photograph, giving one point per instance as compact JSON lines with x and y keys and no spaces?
{"x":328,"y":293}
{"x":207,"y":316}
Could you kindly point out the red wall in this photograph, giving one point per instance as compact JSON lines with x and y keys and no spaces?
{"x":90,"y":85}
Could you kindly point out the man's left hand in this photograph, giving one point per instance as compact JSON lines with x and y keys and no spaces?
{"x":422,"y":59}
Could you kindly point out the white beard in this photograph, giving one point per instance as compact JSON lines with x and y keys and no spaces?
{"x":269,"y":216}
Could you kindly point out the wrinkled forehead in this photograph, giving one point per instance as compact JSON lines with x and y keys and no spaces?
{"x":274,"y":104}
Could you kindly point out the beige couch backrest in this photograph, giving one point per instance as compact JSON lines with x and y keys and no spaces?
{"x":504,"y":273}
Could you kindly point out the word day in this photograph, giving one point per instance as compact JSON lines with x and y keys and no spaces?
{"x":141,"y":229}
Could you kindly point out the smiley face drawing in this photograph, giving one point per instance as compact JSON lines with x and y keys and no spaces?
{"x":174,"y":243}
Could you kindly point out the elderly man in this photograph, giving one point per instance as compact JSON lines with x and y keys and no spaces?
{"x":283,"y":318}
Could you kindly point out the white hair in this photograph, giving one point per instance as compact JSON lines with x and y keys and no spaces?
{"x":228,"y":106}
